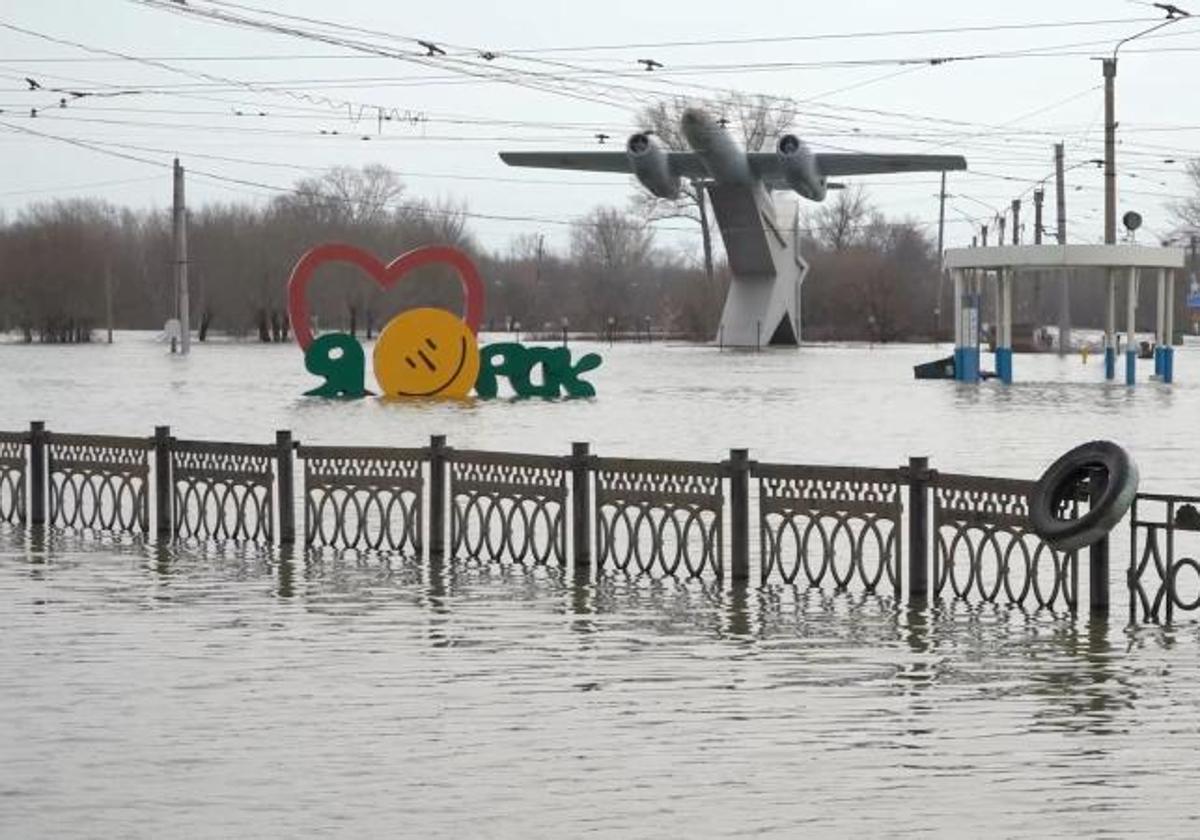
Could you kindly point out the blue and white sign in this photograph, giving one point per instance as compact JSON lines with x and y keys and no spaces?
{"x":1193,"y":296}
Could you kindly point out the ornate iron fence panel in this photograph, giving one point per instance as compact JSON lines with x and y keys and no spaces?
{"x":659,"y":516}
{"x":13,"y":463}
{"x":984,"y":546}
{"x":830,"y":523}
{"x":363,"y":498}
{"x":508,"y":507}
{"x":223,"y":491}
{"x":1165,"y":535}
{"x":99,"y":482}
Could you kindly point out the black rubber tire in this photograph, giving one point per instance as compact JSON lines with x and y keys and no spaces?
{"x":1119,"y":474}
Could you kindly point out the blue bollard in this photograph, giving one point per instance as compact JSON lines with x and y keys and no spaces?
{"x":1004,"y":364}
{"x":1110,"y":363}
{"x":1130,"y":367}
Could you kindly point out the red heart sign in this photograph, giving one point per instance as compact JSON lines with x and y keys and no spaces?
{"x":385,"y":275}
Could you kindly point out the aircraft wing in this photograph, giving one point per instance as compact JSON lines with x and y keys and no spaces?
{"x":768,"y":166}
{"x":852,"y":163}
{"x":683,"y":164}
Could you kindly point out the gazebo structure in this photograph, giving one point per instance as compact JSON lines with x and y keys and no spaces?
{"x":1004,"y":265}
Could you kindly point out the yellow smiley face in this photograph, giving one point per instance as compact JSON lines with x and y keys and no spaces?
{"x":426,"y":353}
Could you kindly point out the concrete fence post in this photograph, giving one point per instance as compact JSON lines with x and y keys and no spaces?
{"x":437,"y":496}
{"x":162,"y":483}
{"x":919,"y":476}
{"x":285,"y":483}
{"x":739,"y":514}
{"x":581,"y":505}
{"x":1097,"y":563}
{"x":37,"y":473}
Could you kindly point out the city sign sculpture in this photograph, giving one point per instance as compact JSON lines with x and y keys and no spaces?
{"x":426,"y":352}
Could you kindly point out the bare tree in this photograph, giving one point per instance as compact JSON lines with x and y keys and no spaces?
{"x":1187,"y":211}
{"x":345,"y":195}
{"x":840,"y":223}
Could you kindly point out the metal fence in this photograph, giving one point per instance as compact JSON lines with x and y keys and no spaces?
{"x":985,"y":550}
{"x":908,"y":533}
{"x":1165,"y":541}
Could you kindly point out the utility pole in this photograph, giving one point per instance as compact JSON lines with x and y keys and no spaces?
{"x":1064,"y":279}
{"x":179,"y":218}
{"x":1060,"y":189}
{"x":1110,"y":211}
{"x":1110,"y":151}
{"x":1039,"y":196}
{"x":937,"y":304}
{"x":1016,"y":211}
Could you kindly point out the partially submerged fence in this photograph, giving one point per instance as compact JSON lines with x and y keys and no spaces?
{"x":908,"y":533}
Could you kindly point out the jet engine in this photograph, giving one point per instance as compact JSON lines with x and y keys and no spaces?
{"x":800,"y":168}
{"x":651,"y":164}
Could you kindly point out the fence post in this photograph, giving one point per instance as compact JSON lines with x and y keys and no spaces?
{"x":285,"y":478}
{"x":162,"y":482}
{"x":918,"y":475}
{"x":437,"y":496}
{"x":739,"y":514}
{"x":581,"y":505}
{"x":1097,"y":562}
{"x":37,"y":473}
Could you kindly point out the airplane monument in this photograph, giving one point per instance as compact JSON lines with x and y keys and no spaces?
{"x":763,"y":306}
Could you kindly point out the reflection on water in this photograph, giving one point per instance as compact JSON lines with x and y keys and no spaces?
{"x":256,"y":694}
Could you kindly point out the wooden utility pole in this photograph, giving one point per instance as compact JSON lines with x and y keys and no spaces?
{"x":1064,"y":279}
{"x":179,"y":218}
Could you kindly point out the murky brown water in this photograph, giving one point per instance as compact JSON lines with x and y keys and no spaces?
{"x":150,"y":695}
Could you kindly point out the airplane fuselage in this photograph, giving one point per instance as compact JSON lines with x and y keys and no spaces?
{"x":725,"y":161}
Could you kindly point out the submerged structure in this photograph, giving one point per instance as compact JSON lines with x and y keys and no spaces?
{"x":763,"y":306}
{"x":975,"y":269}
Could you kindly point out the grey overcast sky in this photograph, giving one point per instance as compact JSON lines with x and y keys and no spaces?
{"x":261,"y":107}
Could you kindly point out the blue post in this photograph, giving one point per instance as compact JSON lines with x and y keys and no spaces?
{"x":1168,"y":372}
{"x":958,"y":364}
{"x":1130,"y":367}
{"x":970,"y":364}
{"x":1158,"y":360}
{"x":1110,"y":363}
{"x":1004,"y":364}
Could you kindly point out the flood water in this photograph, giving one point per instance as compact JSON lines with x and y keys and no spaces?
{"x":151,"y":694}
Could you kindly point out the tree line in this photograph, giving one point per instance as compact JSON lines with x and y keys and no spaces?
{"x":65,"y":265}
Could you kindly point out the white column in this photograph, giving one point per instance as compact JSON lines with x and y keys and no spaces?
{"x":1006,"y":299}
{"x":1170,"y":307}
{"x":1110,"y":311}
{"x":1160,"y":315}
{"x":958,"y":298}
{"x":1131,"y":311}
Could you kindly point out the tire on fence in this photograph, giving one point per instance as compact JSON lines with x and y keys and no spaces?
{"x":1117,"y":476}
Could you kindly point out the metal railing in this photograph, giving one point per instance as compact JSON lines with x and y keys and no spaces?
{"x":1162,"y":529}
{"x":909,"y":534}
{"x":984,"y":547}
